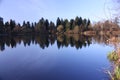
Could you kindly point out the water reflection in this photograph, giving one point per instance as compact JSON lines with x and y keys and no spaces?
{"x":73,"y":40}
{"x":77,"y":41}
{"x":71,"y":63}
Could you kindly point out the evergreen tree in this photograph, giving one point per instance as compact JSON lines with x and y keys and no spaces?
{"x":88,"y":23}
{"x":33,"y":26}
{"x":84,"y":24}
{"x":46,"y":24}
{"x":80,"y":21}
{"x":40,"y":25}
{"x":51,"y":26}
{"x":66,"y":24}
{"x":24,"y":24}
{"x":1,"y":22}
{"x":58,"y":22}
{"x":71,"y":24}
{"x":12,"y":24}
{"x":28,"y":24}
{"x":7,"y":24}
{"x":77,"y":21}
{"x":19,"y":25}
{"x":1,"y":25}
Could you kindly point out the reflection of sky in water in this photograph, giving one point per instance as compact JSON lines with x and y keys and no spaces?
{"x":34,"y":63}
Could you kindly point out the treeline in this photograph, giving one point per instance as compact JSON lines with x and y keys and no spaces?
{"x":62,"y":26}
{"x":11,"y":27}
{"x":107,"y":27}
{"x":44,"y":26}
{"x":76,"y":25}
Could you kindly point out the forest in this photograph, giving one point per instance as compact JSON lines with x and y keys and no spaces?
{"x":62,"y":26}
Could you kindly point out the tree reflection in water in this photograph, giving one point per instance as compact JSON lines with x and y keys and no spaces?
{"x":73,"y":40}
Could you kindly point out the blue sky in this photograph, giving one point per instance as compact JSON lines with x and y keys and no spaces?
{"x":33,"y":10}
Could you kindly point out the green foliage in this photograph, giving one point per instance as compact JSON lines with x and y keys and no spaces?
{"x":43,"y":26}
{"x":70,"y":25}
{"x":117,"y":73}
{"x":113,"y":56}
{"x":40,"y":25}
{"x":78,"y":21}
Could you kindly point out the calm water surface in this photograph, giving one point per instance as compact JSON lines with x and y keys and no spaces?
{"x":52,"y":63}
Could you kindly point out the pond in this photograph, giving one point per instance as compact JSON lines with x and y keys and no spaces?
{"x":54,"y":58}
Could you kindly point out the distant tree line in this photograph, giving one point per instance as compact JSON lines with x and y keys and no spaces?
{"x":109,"y":27}
{"x":76,"y":25}
{"x":62,"y":26}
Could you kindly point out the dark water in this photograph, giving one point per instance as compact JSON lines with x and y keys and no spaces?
{"x":53,"y":58}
